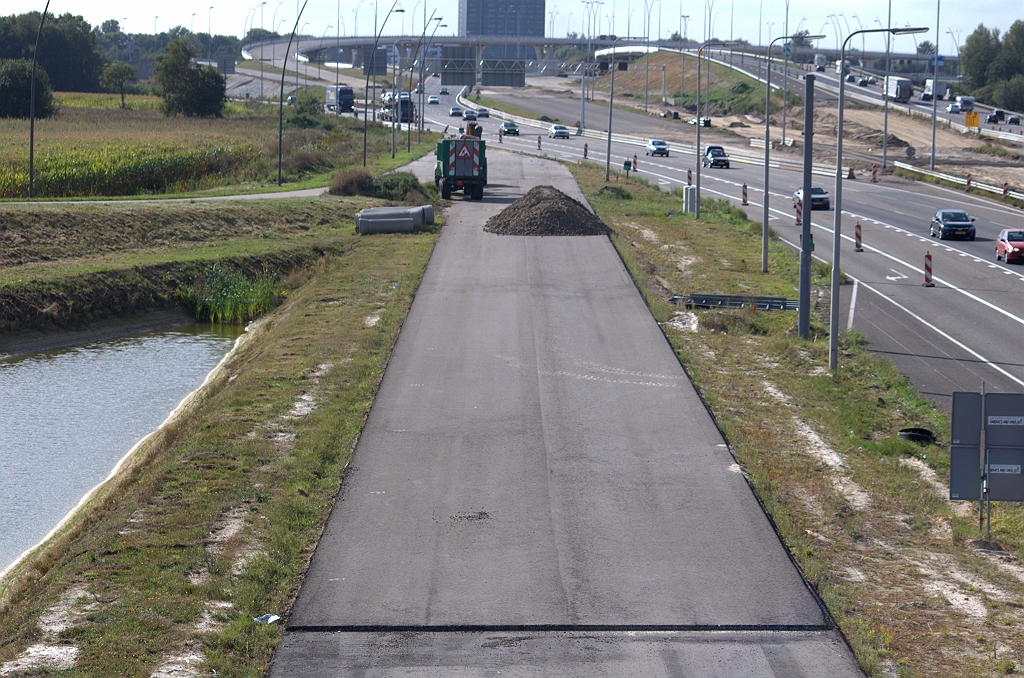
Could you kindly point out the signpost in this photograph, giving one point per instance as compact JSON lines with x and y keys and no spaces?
{"x":986,"y":454}
{"x":971,"y":119}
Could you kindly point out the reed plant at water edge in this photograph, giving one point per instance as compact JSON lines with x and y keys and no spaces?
{"x":226,"y":296}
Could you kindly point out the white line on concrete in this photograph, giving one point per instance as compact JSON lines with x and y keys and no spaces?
{"x":853,"y":304}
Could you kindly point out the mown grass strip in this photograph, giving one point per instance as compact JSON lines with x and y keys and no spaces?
{"x":890,"y":562}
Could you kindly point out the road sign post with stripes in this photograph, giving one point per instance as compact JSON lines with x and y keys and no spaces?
{"x":928,"y":270}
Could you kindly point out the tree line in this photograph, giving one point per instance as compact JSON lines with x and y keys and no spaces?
{"x":993,"y":65}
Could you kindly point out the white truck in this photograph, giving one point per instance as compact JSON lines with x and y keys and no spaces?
{"x":898,"y":89}
{"x":820,"y":62}
{"x":842,"y":67}
{"x":966,"y":104}
{"x":933,"y":88}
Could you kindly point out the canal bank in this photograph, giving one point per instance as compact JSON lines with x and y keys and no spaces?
{"x":209,"y":522}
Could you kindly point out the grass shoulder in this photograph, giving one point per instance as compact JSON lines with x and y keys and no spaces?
{"x":860,"y":510}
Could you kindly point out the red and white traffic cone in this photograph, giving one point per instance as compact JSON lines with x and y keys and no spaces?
{"x":856,"y":239}
{"x":634,"y":162}
{"x":968,"y":183}
{"x":799,"y":212}
{"x":584,"y":151}
{"x":689,"y":177}
{"x":928,"y":270}
{"x":1006,"y":190}
{"x":874,"y":174}
{"x":744,"y":194}
{"x":538,"y":142}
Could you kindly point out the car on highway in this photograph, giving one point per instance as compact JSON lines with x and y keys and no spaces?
{"x":999,"y":113}
{"x":953,"y":108}
{"x":952,"y":224}
{"x":656,"y":147}
{"x":509,"y":128}
{"x":1013,"y":120}
{"x":715,"y":156}
{"x":444,"y":90}
{"x":558,"y":132}
{"x":432,"y":99}
{"x":705,"y":122}
{"x":417,"y":89}
{"x":483,"y":113}
{"x":851,"y":78}
{"x":819,"y":198}
{"x":863,"y":82}
{"x":992,"y":118}
{"x":469,"y":114}
{"x":455,"y":112}
{"x":1010,"y":245}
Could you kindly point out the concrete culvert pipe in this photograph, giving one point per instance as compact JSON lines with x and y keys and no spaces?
{"x":393,"y":219}
{"x":396,"y":224}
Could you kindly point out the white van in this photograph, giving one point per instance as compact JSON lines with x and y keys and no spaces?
{"x":966,"y":103}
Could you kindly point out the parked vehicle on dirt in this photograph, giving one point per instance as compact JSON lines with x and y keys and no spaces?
{"x":952,"y":224}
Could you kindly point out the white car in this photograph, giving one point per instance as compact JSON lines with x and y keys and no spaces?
{"x":558,"y":132}
{"x":432,"y":99}
{"x":953,"y":108}
{"x":656,"y":147}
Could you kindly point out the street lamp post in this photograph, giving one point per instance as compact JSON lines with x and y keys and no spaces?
{"x":423,"y":66}
{"x":355,"y":21}
{"x":785,"y":75}
{"x":833,"y":328}
{"x":209,"y":32}
{"x":611,"y":107}
{"x":373,"y":68}
{"x":684,"y":18}
{"x":320,"y":57}
{"x":154,"y":24}
{"x":280,"y":104}
{"x":956,"y":43}
{"x":768,"y":147}
{"x":647,"y":49}
{"x":935,"y":80}
{"x":700,"y":121}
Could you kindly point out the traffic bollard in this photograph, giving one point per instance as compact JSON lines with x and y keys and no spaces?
{"x":799,"y":212}
{"x":689,"y":177}
{"x":744,"y":194}
{"x":1006,"y":190}
{"x":968,"y":183}
{"x":634,"y":162}
{"x":874,"y":174}
{"x":584,"y":151}
{"x":858,"y":243}
{"x":928,"y":270}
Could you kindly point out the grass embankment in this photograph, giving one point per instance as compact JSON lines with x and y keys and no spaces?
{"x":731,"y":91}
{"x":93,"y":148}
{"x":511,"y":109}
{"x":889,"y":556}
{"x":213,"y":521}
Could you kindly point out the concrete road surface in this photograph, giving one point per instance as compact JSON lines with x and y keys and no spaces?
{"x":539,"y":489}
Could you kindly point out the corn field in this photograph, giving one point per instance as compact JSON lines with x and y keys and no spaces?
{"x":117,"y":170}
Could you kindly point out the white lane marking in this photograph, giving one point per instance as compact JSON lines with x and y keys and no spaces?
{"x":898,"y":276}
{"x":853,"y":304}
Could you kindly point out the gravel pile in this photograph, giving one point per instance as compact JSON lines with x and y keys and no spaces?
{"x":545,"y":210}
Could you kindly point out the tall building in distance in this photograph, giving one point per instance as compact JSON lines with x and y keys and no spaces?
{"x":501,"y":17}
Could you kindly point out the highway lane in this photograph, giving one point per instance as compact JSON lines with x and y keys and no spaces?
{"x":538,"y":472}
{"x":951,"y":337}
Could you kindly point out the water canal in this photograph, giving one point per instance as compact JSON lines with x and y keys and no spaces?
{"x":68,"y":416}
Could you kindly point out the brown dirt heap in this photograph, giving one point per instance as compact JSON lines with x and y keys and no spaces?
{"x":545,"y":210}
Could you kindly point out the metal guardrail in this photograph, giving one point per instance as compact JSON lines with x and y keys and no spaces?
{"x":729,"y":301}
{"x":962,"y":181}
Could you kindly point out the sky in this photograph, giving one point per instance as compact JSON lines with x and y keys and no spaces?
{"x":732,"y":18}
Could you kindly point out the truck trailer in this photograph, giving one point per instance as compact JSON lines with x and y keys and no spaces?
{"x":933,"y":88}
{"x":820,"y":62}
{"x":461,"y":163}
{"x":340,"y":99}
{"x":898,"y":89}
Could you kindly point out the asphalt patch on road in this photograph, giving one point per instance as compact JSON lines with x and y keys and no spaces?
{"x":545,"y":210}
